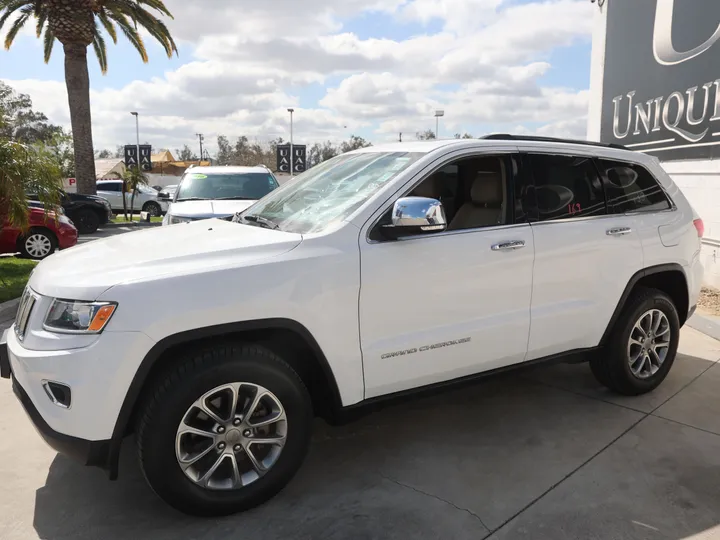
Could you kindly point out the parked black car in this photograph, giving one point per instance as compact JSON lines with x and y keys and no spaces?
{"x":88,"y":212}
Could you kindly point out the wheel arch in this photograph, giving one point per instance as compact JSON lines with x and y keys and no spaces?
{"x":669,"y":278}
{"x":286,"y":337}
{"x":21,"y":237}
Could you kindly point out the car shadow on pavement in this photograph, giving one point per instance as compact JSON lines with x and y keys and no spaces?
{"x":459,"y":464}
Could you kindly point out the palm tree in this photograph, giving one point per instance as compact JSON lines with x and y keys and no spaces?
{"x":134,"y":178}
{"x":77,"y":24}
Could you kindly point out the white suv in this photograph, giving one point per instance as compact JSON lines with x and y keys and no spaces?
{"x":381,"y":271}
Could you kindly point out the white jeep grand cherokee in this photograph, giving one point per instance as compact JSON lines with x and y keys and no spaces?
{"x":384,"y":270}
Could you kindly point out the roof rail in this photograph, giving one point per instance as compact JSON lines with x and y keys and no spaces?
{"x":509,"y":137}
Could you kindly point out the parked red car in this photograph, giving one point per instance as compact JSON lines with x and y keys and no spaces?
{"x":45,"y":233}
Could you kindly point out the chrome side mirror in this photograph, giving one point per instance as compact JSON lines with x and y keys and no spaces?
{"x":415,"y":215}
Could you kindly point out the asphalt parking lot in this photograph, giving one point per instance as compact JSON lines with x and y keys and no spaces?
{"x":546,"y":454}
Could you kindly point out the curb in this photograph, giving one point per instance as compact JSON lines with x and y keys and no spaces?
{"x":8,"y":309}
{"x":704,"y":324}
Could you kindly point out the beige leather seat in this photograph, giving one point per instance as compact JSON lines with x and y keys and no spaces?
{"x":427,"y":188}
{"x":486,"y":205}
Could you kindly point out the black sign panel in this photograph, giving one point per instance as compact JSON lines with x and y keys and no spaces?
{"x":299,"y":153}
{"x":131,"y":158}
{"x":661,"y":90}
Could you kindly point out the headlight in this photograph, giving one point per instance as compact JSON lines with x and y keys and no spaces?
{"x":178,"y":219}
{"x":64,"y":219}
{"x":78,"y":317}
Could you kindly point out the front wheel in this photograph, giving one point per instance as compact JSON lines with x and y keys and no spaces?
{"x":38,"y":244}
{"x":152,"y":208}
{"x":225,"y":430}
{"x":87,"y":221}
{"x":642,"y":346}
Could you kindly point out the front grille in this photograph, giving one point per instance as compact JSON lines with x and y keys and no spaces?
{"x":23,"y":314}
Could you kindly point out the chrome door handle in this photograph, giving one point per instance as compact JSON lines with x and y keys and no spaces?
{"x":618,"y":231}
{"x":509,"y":246}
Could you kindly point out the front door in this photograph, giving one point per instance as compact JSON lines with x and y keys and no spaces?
{"x":446,"y":305}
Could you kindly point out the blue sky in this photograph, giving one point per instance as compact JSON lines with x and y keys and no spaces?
{"x":364,"y":67}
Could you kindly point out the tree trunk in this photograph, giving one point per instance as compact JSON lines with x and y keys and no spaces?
{"x":132,"y":203}
{"x":124,"y":191}
{"x":77,"y":81}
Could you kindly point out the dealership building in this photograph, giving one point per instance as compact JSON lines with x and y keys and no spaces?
{"x":655,"y":88}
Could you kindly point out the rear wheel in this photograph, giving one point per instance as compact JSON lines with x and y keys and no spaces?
{"x":225,"y":430}
{"x":38,"y":243}
{"x":87,"y":221}
{"x":642,"y":346}
{"x":152,"y":208}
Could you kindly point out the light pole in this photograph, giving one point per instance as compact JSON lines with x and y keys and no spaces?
{"x":292,"y":158}
{"x":438,"y":114}
{"x":201,"y":138}
{"x":137,"y":134}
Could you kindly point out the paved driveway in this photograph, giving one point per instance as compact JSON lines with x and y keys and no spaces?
{"x":546,"y":454}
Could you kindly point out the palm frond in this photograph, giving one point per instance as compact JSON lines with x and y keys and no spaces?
{"x":15,"y":28}
{"x":42,"y":16}
{"x":108,"y":25}
{"x":48,"y":42}
{"x":130,"y":33}
{"x":10,"y":7}
{"x":158,"y":30}
{"x":158,"y":5}
{"x":100,"y":50}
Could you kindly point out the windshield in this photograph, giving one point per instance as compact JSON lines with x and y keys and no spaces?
{"x":328,"y":192}
{"x":250,"y":186}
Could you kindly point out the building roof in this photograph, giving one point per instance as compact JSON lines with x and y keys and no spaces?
{"x":162,"y":157}
{"x":109,"y":168}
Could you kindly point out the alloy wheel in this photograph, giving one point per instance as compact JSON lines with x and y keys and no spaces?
{"x":649,"y":344}
{"x":231,"y":436}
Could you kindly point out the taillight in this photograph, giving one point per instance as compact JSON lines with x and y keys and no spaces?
{"x":699,"y":226}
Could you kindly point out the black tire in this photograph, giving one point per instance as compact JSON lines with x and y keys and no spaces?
{"x":152,"y":208}
{"x":87,"y":221}
{"x":26,"y":249}
{"x":611,"y":366}
{"x":193,"y":376}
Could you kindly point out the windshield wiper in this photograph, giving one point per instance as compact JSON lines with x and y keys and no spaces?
{"x":261,"y":221}
{"x":192,"y":199}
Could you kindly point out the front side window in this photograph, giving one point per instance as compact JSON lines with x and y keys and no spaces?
{"x":225,"y":186}
{"x":329,"y":192}
{"x":631,"y":188}
{"x":566,"y":187}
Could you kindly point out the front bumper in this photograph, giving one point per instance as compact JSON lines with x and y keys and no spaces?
{"x":67,"y":236}
{"x":92,"y":453}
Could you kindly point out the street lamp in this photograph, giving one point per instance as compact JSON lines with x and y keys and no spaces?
{"x":291,"y":111}
{"x":137,"y":134}
{"x":438,"y":114}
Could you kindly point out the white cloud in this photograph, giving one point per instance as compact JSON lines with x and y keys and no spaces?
{"x":253,"y":59}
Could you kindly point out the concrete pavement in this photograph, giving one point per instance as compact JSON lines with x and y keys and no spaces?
{"x":546,"y":454}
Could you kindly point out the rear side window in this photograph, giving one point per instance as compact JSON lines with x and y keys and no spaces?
{"x":110,"y":186}
{"x":566,"y":187}
{"x":631,"y":188}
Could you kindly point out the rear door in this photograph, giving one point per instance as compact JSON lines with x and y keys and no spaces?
{"x":584,"y":257}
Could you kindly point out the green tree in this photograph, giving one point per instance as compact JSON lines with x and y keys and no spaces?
{"x":354,"y":143}
{"x":20,"y":122}
{"x":104,"y":154}
{"x":77,"y":25}
{"x":463,"y":136}
{"x":186,"y":154}
{"x":61,"y":146}
{"x":426,"y":135}
{"x":321,"y":152}
{"x":26,"y":169}
{"x":134,"y":177}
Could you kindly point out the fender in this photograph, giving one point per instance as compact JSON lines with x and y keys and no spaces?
{"x":670,"y":267}
{"x":141,"y":376}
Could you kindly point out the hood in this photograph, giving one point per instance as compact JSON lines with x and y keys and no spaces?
{"x":85,"y":271}
{"x":208,"y":209}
